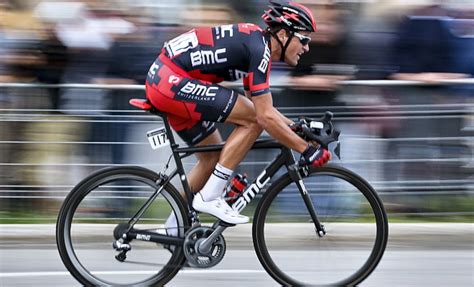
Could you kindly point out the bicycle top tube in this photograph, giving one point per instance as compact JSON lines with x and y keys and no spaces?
{"x":259,"y":144}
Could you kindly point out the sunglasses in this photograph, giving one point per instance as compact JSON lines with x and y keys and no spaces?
{"x":304,"y":40}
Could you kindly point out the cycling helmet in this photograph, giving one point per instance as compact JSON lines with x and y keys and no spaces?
{"x":290,"y":15}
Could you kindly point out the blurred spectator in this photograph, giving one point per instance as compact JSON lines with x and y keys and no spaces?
{"x":130,"y":55}
{"x":208,"y":15}
{"x":88,"y":42}
{"x":316,"y":77}
{"x":54,"y":57}
{"x":427,"y":50}
{"x":19,"y":60}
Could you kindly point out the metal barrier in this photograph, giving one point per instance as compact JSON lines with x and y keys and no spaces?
{"x":46,"y":151}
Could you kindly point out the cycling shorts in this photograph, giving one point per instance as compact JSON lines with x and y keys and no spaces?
{"x":193,"y":106}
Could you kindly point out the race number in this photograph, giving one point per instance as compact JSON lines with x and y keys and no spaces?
{"x":158,"y":138}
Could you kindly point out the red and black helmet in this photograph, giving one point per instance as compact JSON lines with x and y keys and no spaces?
{"x":291,"y":15}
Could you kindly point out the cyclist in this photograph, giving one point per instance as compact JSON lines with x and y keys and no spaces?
{"x":182,"y":82}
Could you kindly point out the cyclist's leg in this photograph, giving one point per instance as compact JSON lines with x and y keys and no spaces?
{"x":198,"y":175}
{"x":193,"y":106}
{"x":210,"y":199}
{"x":243,"y":136}
{"x":206,"y":161}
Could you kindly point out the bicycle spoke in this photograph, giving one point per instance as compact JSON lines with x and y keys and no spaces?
{"x":99,"y":215}
{"x":292,"y":250}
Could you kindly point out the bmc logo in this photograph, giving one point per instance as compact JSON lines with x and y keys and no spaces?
{"x":250,"y":192}
{"x":266,"y":58}
{"x":143,"y":237}
{"x":199,"y":90}
{"x":208,"y":57}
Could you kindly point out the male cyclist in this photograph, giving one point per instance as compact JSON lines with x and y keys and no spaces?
{"x":182,"y":82}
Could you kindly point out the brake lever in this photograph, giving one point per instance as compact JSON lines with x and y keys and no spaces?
{"x":327,"y":133}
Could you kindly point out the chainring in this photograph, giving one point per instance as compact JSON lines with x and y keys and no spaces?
{"x":197,"y":258}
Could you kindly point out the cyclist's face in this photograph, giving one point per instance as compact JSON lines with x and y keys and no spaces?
{"x":296,"y":49}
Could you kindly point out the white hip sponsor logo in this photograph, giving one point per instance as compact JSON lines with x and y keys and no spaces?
{"x":199,"y":90}
{"x":208,"y":57}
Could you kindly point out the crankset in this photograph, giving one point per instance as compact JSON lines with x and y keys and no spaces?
{"x":204,"y":247}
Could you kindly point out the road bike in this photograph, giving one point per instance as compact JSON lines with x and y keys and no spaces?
{"x":322,"y":226}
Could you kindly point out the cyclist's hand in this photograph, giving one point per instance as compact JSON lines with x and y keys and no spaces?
{"x":316,"y":156}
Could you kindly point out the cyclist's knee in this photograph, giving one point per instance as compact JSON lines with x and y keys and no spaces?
{"x":255,"y":127}
{"x":251,"y":122}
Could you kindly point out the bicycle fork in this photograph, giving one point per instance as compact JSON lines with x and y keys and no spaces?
{"x":294,"y":172}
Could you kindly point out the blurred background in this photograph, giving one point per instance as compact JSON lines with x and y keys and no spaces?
{"x":397,"y":74}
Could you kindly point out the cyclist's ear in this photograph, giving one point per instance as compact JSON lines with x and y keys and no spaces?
{"x":282,"y":35}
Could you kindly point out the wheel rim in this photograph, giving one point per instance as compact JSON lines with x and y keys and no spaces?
{"x":88,"y":232}
{"x":292,"y":252}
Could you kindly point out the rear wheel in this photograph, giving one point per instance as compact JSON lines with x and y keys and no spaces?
{"x":104,"y":202}
{"x":354,"y":219}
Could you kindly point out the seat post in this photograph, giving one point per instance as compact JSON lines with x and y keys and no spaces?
{"x":176,"y":155}
{"x":169,"y":131}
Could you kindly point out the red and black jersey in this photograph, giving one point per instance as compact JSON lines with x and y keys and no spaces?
{"x":224,"y":53}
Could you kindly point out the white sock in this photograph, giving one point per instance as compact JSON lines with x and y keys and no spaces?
{"x":216,"y":183}
{"x":171,"y":225}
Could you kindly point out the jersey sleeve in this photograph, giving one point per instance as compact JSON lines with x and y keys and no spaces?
{"x":258,"y":78}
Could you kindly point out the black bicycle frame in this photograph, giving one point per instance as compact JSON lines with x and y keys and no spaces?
{"x":285,"y":158}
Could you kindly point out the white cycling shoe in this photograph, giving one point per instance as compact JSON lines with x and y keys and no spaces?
{"x":220,"y":209}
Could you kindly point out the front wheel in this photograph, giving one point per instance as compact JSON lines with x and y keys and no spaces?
{"x":98,"y":209}
{"x":354,"y":219}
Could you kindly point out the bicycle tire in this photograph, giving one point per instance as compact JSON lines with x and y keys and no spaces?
{"x":102,"y":177}
{"x":269,"y":258}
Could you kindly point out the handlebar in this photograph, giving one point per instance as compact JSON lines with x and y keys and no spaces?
{"x":321,"y":130}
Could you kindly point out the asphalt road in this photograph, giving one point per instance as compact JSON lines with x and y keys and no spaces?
{"x":417,"y":255}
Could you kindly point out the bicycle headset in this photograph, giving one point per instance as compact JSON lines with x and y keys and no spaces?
{"x":291,"y":16}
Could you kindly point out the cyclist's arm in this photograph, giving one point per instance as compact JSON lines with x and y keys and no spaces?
{"x":276,"y":124}
{"x":286,"y":120}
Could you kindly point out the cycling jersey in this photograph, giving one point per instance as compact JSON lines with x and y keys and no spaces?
{"x":183,"y":80}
